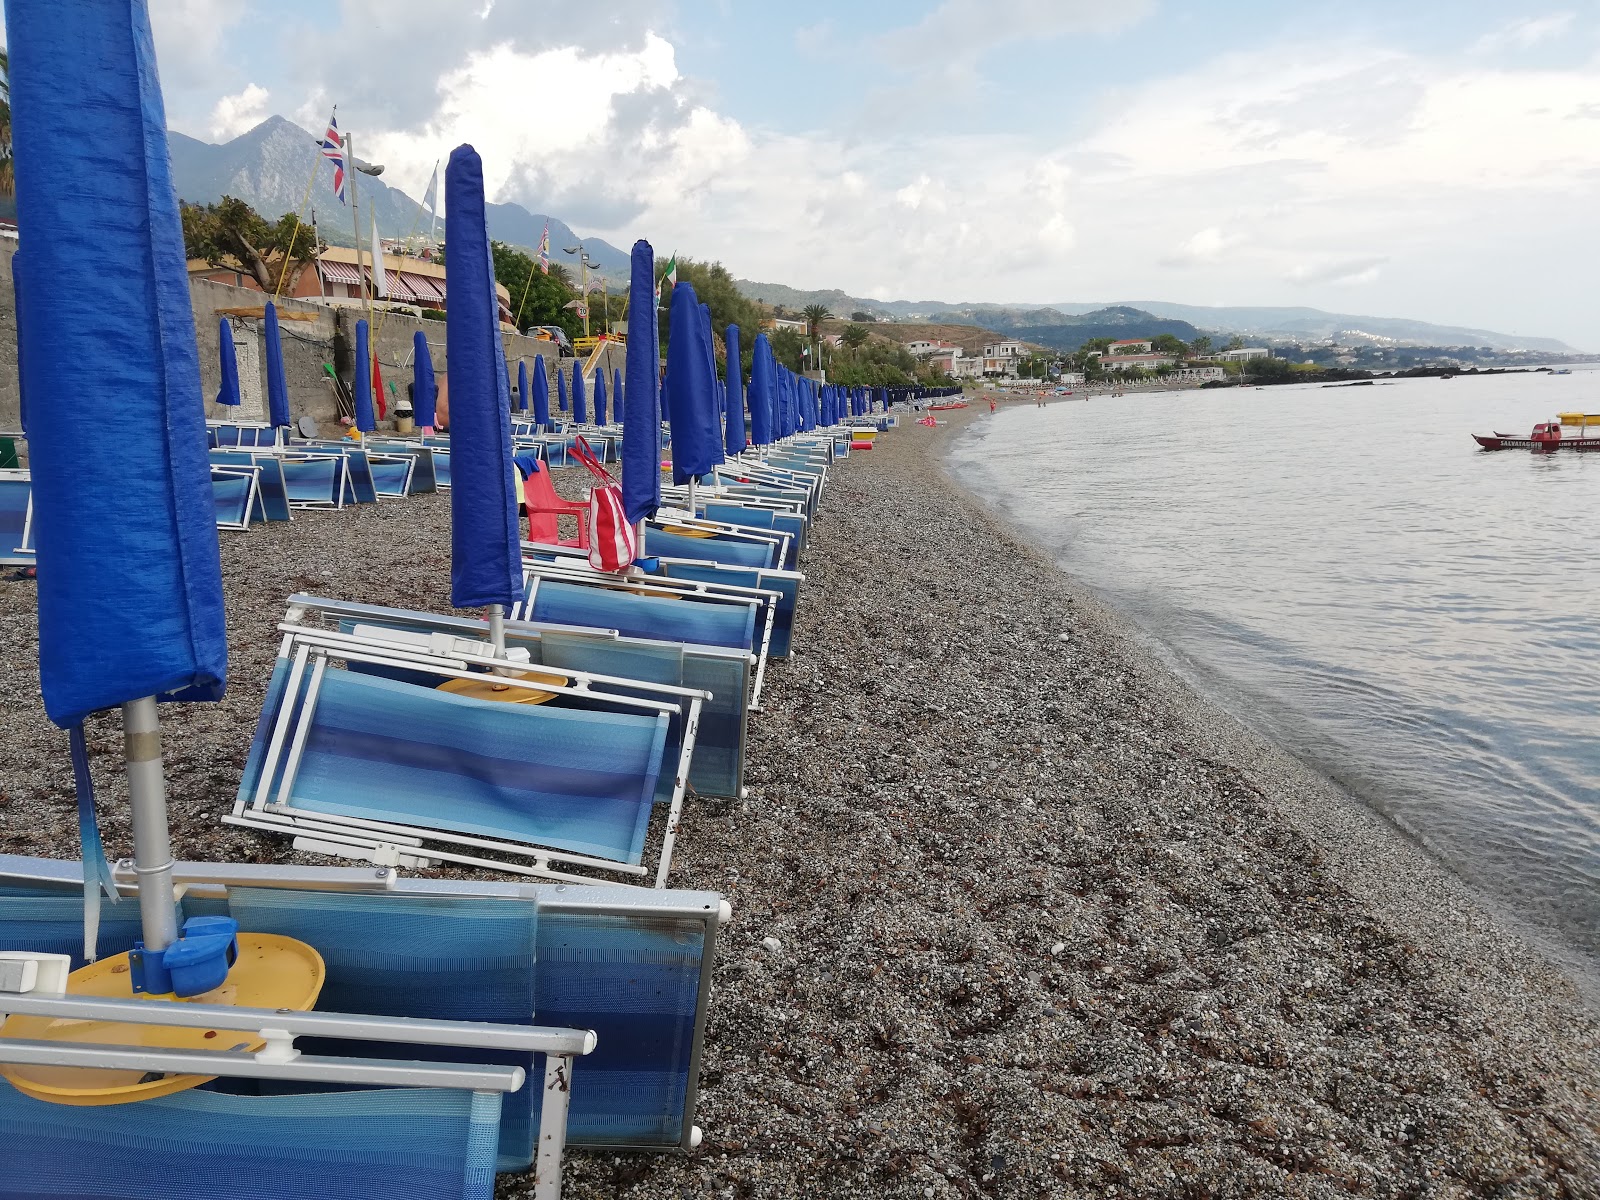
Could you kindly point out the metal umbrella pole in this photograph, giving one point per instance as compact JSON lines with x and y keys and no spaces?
{"x":152,"y":843}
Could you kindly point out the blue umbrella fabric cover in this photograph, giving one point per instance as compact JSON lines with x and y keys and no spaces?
{"x":424,"y":388}
{"x":561,"y":389}
{"x":277,"y":382}
{"x":485,"y":531}
{"x":641,"y":420}
{"x":761,"y":391}
{"x":690,"y":399}
{"x":541,"y":392}
{"x":736,"y":439}
{"x":228,"y":393}
{"x":522,"y":385}
{"x":580,"y":402}
{"x":361,"y":390}
{"x":600,"y":397}
{"x":616,"y":395}
{"x":94,"y":189}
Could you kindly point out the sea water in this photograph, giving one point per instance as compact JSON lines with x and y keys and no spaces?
{"x":1347,"y":571}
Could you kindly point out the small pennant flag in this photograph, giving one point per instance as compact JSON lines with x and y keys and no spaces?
{"x":380,"y":279}
{"x":544,"y":248}
{"x":430,"y":200}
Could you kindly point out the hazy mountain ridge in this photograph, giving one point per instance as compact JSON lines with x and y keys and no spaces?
{"x":268,"y":167}
{"x":1263,"y":321}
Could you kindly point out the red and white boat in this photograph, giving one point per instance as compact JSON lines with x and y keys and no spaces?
{"x":1546,"y":436}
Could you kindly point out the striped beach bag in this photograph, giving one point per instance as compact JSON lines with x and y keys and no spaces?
{"x":611,"y":538}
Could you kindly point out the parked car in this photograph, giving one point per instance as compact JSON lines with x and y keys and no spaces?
{"x":552,"y":333}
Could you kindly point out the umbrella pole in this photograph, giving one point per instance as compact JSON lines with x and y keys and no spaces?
{"x":692,"y":482}
{"x":497,"y":629}
{"x":152,"y":844}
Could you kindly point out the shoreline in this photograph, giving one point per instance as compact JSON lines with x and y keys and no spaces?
{"x":1011,"y":918}
{"x":1346,"y":823}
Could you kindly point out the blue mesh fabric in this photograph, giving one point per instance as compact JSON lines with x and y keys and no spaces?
{"x":52,"y":923}
{"x":736,"y":514}
{"x":231,"y":495}
{"x":788,"y":590}
{"x":636,"y":983}
{"x":312,"y":481}
{"x":391,"y":751}
{"x":712,"y":549}
{"x":13,"y":515}
{"x":663,"y":618}
{"x":440,"y":958}
{"x":390,"y":477}
{"x":200,"y":1145}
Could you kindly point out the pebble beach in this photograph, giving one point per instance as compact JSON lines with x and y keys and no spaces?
{"x":1016,"y":913}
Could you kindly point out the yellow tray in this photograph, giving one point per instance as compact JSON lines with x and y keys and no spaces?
{"x":493,"y":687}
{"x":271,"y":972}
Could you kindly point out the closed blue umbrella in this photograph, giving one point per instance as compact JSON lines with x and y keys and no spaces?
{"x":690,"y":396}
{"x":366,"y":420}
{"x":561,"y":389}
{"x":277,"y":383}
{"x":130,"y":578}
{"x":228,"y":393}
{"x":522,"y":385}
{"x":485,"y":530}
{"x":736,"y":439}
{"x":424,"y":388}
{"x":541,"y":393}
{"x":761,"y":391}
{"x":600,"y":397}
{"x":641,"y":420}
{"x":580,"y":400}
{"x":616,"y":395}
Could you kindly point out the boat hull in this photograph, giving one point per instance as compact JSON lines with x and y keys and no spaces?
{"x":1502,"y":441}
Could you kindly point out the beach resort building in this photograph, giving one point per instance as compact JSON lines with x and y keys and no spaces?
{"x":1127,"y":362}
{"x":1001,"y":358}
{"x":1243,"y":354}
{"x":773,"y":324}
{"x":924,"y":347}
{"x":1131,"y":346}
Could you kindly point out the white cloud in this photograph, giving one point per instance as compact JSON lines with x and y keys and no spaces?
{"x":1206,"y":246}
{"x":238,"y":113}
{"x":1342,"y":272}
{"x":965,"y":30}
{"x":1525,"y":34}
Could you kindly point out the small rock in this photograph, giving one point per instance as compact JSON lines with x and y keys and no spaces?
{"x":772,"y":944}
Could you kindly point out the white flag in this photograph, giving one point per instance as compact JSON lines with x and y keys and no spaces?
{"x":380,"y":285}
{"x":430,"y":200}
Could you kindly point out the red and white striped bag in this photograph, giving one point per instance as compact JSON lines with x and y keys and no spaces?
{"x":611,"y":538}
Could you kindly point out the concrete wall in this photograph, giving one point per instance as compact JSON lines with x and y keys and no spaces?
{"x":329,"y":337}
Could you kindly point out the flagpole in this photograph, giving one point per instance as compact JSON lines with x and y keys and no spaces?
{"x":355,"y":218}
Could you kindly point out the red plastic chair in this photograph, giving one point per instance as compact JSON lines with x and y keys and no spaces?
{"x":545,"y":508}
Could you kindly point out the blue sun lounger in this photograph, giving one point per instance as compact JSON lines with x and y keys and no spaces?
{"x":722,"y":676}
{"x":633,"y":965}
{"x":374,"y":759}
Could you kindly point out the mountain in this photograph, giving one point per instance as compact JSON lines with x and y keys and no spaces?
{"x":266,"y":167}
{"x":1289,"y":324}
{"x":1049,"y":327}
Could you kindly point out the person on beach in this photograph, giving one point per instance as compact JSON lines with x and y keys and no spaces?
{"x":991,"y":406}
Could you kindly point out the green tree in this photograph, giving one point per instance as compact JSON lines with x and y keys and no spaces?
{"x":855,"y":336}
{"x":815,"y":315}
{"x":787,"y":348}
{"x":1165,"y":343}
{"x":233,"y":234}
{"x":1236,"y":342}
{"x":862,"y":316}
{"x":537,"y":298}
{"x":1200,"y":346}
{"x":714,"y":287}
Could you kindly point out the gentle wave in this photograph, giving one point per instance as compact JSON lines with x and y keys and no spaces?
{"x":1415,"y":617}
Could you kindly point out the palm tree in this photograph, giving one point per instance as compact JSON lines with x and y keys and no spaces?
{"x":8,"y":185}
{"x":814,"y":314}
{"x":855,"y":336}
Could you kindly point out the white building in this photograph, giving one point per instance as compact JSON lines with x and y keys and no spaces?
{"x":1001,"y":358}
{"x":1131,"y":346}
{"x":967,"y":368}
{"x":1242,"y":355}
{"x":1191,"y":373}
{"x":925,"y":347}
{"x":1126,"y":362}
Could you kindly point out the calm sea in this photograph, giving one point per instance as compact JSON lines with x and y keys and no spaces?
{"x":1346,"y":570}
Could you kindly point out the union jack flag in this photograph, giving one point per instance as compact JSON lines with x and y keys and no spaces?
{"x":544,"y":250}
{"x":333,"y":151}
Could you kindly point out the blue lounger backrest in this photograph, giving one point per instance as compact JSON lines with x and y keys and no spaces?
{"x":312,"y":481}
{"x":664,"y":618}
{"x":391,"y":478}
{"x":230,"y":493}
{"x":787,"y":587}
{"x":14,"y":493}
{"x":713,"y":549}
{"x":394,"y":1144}
{"x":383,"y":750}
{"x":52,"y":923}
{"x":734,"y":514}
{"x":446,"y":958}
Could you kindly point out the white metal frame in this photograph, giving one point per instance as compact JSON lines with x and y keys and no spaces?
{"x":252,"y":492}
{"x":400,"y":843}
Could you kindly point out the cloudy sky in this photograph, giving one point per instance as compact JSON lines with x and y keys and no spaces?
{"x":1436,"y":159}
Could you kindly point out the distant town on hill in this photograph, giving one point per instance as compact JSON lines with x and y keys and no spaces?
{"x":267,"y":167}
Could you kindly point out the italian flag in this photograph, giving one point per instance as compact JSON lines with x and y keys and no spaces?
{"x":669,"y":280}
